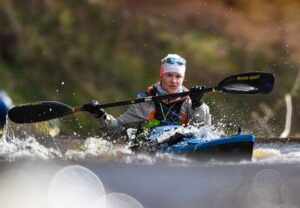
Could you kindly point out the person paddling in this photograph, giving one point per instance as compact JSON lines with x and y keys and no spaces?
{"x":181,"y":111}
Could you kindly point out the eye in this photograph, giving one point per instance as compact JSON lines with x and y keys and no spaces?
{"x":169,"y":75}
{"x":178,"y":76}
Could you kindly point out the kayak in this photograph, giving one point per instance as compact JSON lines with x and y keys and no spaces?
{"x":228,"y":148}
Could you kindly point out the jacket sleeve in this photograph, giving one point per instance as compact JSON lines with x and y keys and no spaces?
{"x":116,"y":127}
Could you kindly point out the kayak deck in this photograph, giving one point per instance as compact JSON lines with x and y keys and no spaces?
{"x":232,"y":148}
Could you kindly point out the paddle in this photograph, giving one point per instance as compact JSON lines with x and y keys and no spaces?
{"x":245,"y":83}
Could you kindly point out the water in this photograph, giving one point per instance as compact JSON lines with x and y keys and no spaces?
{"x":48,"y":184}
{"x":91,"y":172}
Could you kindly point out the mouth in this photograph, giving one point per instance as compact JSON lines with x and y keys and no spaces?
{"x":173,"y":87}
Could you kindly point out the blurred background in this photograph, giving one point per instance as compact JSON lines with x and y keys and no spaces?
{"x":73,"y":51}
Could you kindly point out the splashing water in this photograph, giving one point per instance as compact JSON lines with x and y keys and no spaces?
{"x":91,"y":148}
{"x":206,"y":133}
{"x":28,"y":148}
{"x":19,"y":142}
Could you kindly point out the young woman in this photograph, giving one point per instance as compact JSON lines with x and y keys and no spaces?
{"x":182,"y":110}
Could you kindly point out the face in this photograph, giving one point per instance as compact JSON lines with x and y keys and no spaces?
{"x":171,"y":81}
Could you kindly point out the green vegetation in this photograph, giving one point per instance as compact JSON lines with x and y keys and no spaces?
{"x":73,"y":51}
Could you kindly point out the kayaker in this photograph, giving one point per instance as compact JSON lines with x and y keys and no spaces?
{"x":182,"y":110}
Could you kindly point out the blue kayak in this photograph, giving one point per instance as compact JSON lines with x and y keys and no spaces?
{"x":230,"y":148}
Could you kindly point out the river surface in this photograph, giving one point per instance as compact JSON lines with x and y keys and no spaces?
{"x":91,"y":172}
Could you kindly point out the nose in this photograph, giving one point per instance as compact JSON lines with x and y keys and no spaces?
{"x":173,"y":79}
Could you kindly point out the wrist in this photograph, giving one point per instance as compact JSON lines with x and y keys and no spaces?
{"x":101,"y":114}
{"x":196,"y":105}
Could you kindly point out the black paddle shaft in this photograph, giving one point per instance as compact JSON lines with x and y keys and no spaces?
{"x":245,"y":83}
{"x":252,"y":83}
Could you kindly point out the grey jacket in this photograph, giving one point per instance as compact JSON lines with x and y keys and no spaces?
{"x":136,"y":114}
